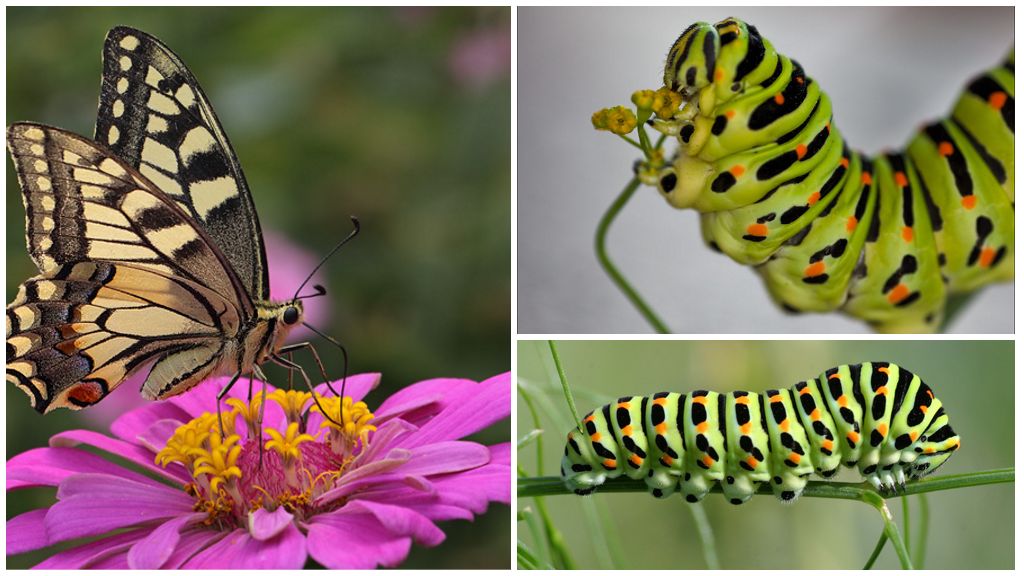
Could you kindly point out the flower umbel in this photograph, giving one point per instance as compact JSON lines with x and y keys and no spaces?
{"x":352,"y":491}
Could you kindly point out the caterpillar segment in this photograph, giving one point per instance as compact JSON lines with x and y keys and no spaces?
{"x":885,"y":239}
{"x":876,"y":417}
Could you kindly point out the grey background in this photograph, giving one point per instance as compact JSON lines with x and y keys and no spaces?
{"x":888,"y":70}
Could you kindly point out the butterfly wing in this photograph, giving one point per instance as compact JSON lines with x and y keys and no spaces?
{"x":155,"y":117}
{"x":126,"y":277}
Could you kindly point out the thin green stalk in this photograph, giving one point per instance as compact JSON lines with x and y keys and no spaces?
{"x":551,"y":486}
{"x":878,"y":550}
{"x":891,"y":530}
{"x":565,"y":383}
{"x":600,"y":247}
{"x":631,"y":141}
{"x":922,"y":533}
{"x":706,"y":535}
{"x":905,"y":505}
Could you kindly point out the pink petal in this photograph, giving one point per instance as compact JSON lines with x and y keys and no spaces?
{"x":445,"y":458}
{"x":135,"y":454}
{"x":364,"y":536}
{"x":93,"y":504}
{"x":239,"y":550}
{"x":27,"y":532}
{"x":92,"y":552}
{"x":152,"y":551}
{"x":155,"y":437}
{"x":437,"y":389}
{"x":264,"y":525}
{"x":191,"y":541}
{"x":478,"y":407}
{"x":130,"y":425}
{"x":49,"y":466}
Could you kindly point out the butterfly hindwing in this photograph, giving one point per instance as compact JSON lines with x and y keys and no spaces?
{"x":154,"y":116}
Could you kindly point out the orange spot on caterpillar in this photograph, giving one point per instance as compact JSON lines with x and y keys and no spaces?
{"x":815,"y":415}
{"x":930,"y":395}
{"x":751,"y":461}
{"x":929,"y":450}
{"x":827,"y":445}
{"x":881,"y":390}
{"x":660,"y":401}
{"x":835,"y":376}
{"x":609,"y":463}
{"x":589,"y":418}
{"x":794,"y":457}
{"x":801,"y":151}
{"x":901,"y":179}
{"x":743,"y":400}
{"x":923,"y":409}
{"x":853,"y":437}
{"x":986,"y":257}
{"x":913,"y":436}
{"x":968,"y":202}
{"x":627,"y":431}
{"x":730,"y":114}
{"x":865,"y":178}
{"x":708,"y":461}
{"x":884,"y":369}
{"x":883,"y":428}
{"x":805,"y":390}
{"x":898,"y":293}
{"x":702,"y":427}
{"x":596,"y":436}
{"x":623,"y":405}
{"x":719,"y":74}
{"x":851,"y":223}
{"x":816,"y":269}
{"x":842,"y":401}
{"x":737,"y":170}
{"x":779,"y":99}
{"x":636,"y":459}
{"x":757,"y":229}
{"x":813,"y":198}
{"x":784,"y":425}
{"x":776,"y":398}
{"x":997,"y":100}
{"x":667,"y":460}
{"x":844,"y":162}
{"x":700,"y":399}
{"x":945,"y":149}
{"x":661,"y":428}
{"x":745,"y":428}
{"x":908,"y":234}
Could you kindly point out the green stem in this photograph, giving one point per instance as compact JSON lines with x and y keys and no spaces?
{"x":706,"y":535}
{"x":878,"y":550}
{"x":600,"y":247}
{"x":891,"y":530}
{"x":922,"y":533}
{"x":905,"y":508}
{"x":552,"y":486}
{"x":631,"y":141}
{"x":565,"y":383}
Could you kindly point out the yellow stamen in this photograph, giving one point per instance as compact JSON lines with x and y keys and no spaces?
{"x":293,"y":402}
{"x":286,"y":445}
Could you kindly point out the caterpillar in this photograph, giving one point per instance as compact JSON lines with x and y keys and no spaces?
{"x":875,"y":416}
{"x":884,"y":239}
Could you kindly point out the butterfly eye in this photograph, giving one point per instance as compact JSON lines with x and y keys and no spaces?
{"x":291,"y":315}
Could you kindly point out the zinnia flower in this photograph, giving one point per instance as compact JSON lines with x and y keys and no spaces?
{"x":351,"y":491}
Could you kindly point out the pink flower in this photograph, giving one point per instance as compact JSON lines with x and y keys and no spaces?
{"x":481,"y":57}
{"x":354,"y":491}
{"x":289,"y":264}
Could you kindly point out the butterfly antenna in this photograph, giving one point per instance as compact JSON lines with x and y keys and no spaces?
{"x":353,"y":234}
{"x":344,"y":355}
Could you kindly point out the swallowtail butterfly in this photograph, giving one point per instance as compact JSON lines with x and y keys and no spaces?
{"x":147,"y":243}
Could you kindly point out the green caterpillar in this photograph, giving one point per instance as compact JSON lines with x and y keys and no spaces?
{"x":886,"y":239}
{"x":876,"y":416}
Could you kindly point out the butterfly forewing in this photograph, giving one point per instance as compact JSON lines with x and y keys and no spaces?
{"x":126,"y":277}
{"x":154,"y":116}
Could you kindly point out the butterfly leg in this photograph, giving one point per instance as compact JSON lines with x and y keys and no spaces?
{"x":320,"y":364}
{"x":263,"y":402}
{"x":277,"y":359}
{"x":220,"y":396}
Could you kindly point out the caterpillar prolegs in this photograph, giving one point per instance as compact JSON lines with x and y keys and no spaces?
{"x":875,"y":416}
{"x":885,"y":239}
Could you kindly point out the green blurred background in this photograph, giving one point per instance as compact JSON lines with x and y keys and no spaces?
{"x":400,"y":116}
{"x":970,"y":528}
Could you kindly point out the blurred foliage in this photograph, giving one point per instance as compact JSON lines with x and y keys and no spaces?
{"x":970,"y":528}
{"x":400,"y":116}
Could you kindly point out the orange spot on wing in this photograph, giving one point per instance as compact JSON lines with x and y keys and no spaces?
{"x":968,"y":201}
{"x":901,"y":179}
{"x":813,"y":198}
{"x":997,"y":100}
{"x":908,"y":234}
{"x":898,"y":293}
{"x":757,"y":229}
{"x":801,"y":151}
{"x":945,"y":149}
{"x":737,"y":170}
{"x":779,"y":99}
{"x":816,"y":269}
{"x":986,"y":257}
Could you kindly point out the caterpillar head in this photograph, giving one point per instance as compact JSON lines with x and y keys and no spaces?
{"x":690,"y":65}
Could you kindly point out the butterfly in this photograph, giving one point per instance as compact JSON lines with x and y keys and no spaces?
{"x":147,"y":242}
